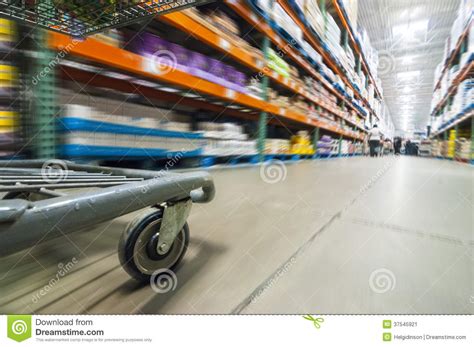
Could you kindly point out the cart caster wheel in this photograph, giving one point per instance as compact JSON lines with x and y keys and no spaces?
{"x":137,"y":246}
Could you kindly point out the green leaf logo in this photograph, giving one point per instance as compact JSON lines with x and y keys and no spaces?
{"x":19,"y":327}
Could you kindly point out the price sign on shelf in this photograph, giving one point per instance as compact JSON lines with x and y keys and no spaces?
{"x":282,"y":111}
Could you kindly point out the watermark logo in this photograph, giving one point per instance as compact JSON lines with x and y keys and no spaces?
{"x":163,"y":280}
{"x":273,"y":171}
{"x":382,"y":281}
{"x":316,"y":320}
{"x":19,"y":327}
{"x":54,"y":171}
{"x":63,"y":269}
{"x":163,"y":62}
{"x":386,"y":63}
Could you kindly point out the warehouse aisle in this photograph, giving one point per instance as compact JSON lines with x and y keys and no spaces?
{"x":359,"y":235}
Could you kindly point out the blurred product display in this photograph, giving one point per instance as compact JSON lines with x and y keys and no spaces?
{"x":212,"y":66}
{"x":452,"y":105}
{"x":10,"y":125}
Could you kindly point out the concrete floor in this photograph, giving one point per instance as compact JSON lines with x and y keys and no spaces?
{"x":357,"y":235}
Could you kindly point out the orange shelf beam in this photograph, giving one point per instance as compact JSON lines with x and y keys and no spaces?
{"x":100,"y":53}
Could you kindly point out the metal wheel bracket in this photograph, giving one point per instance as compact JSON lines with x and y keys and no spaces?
{"x":174,"y":218}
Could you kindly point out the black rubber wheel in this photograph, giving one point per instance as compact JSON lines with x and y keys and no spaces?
{"x":137,"y":246}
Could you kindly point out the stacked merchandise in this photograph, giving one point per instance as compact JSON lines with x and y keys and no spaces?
{"x":314,"y":16}
{"x":425,"y":148}
{"x":161,"y":53}
{"x":344,"y":55}
{"x":254,"y":88}
{"x":451,"y":144}
{"x":315,"y":56}
{"x":351,"y":7}
{"x":354,"y":117}
{"x":463,"y":144}
{"x":444,"y":148}
{"x":459,"y":25}
{"x":370,"y":54}
{"x":463,"y":17}
{"x":357,"y":148}
{"x":277,"y":146}
{"x":219,"y":23}
{"x":277,"y":99}
{"x":462,"y":102}
{"x":285,"y":22}
{"x":277,"y":64}
{"x":463,"y":98}
{"x":226,"y":139}
{"x":463,"y":149}
{"x":87,"y":131}
{"x":301,"y":144}
{"x":333,"y":35}
{"x":8,"y":85}
{"x":345,"y":147}
{"x":299,"y":104}
{"x":112,"y":37}
{"x":325,"y":145}
{"x":436,"y":150}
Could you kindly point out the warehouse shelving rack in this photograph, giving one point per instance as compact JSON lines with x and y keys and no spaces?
{"x":317,"y":43}
{"x":450,"y":59}
{"x":184,"y":22}
{"x":342,"y":14}
{"x":466,"y":72}
{"x":262,"y":23}
{"x":129,"y":64}
{"x":465,"y":119}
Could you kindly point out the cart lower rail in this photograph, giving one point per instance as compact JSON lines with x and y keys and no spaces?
{"x":44,"y":199}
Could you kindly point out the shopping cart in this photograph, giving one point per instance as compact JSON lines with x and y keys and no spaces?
{"x":45,"y":199}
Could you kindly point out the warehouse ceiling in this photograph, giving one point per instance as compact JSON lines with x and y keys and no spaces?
{"x":410,"y":36}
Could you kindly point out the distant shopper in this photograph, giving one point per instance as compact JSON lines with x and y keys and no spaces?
{"x":408,"y":147}
{"x":397,"y":145}
{"x":374,"y":140}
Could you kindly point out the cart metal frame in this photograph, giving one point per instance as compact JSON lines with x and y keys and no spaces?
{"x":98,"y":17}
{"x":65,"y":207}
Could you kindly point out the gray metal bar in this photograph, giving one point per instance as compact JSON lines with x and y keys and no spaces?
{"x":34,"y":187}
{"x":69,"y":180}
{"x":74,"y":176}
{"x":51,"y":217}
{"x":204,"y":195}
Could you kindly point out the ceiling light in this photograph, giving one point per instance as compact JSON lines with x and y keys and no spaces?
{"x":409,"y":30}
{"x":408,"y":59}
{"x":408,"y":75}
